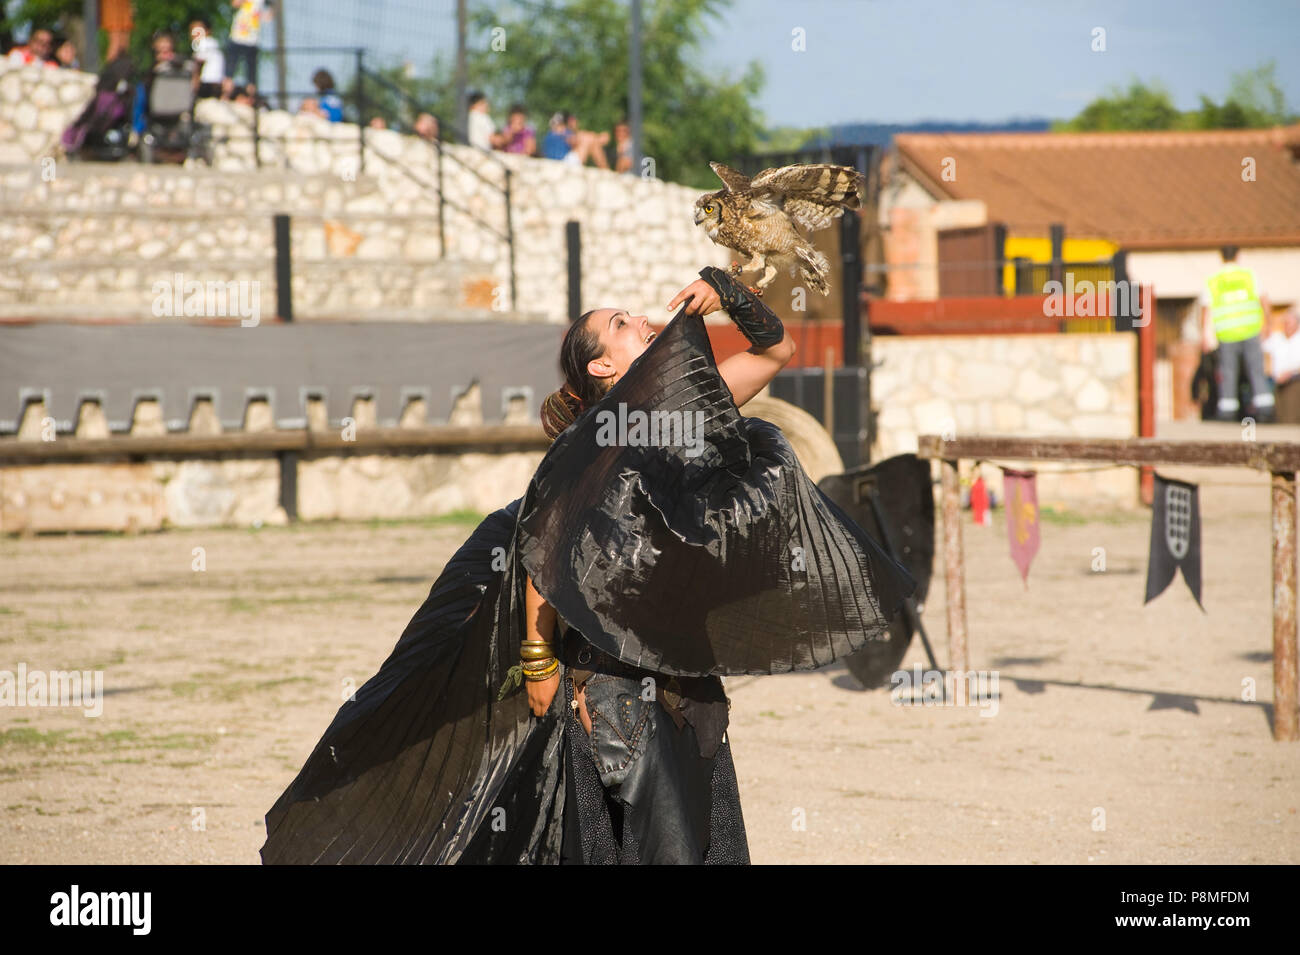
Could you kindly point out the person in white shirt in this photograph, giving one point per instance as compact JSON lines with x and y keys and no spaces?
{"x":1282,"y":356}
{"x":212,"y":62}
{"x":482,"y":131}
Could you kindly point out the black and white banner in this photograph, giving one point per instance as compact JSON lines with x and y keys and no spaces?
{"x":1175,"y":538}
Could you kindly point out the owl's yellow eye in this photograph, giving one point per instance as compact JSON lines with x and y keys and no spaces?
{"x":708,"y":208}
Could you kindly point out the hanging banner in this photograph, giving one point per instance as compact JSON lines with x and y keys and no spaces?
{"x":979,"y":502}
{"x":1020,"y":493}
{"x":1175,"y":538}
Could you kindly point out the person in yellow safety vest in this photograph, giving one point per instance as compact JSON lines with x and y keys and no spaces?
{"x":1233,"y":310}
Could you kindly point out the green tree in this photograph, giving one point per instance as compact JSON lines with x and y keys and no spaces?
{"x":1139,"y":107}
{"x":47,"y":14}
{"x":1254,"y":100}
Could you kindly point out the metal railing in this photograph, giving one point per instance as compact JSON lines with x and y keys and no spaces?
{"x":358,"y":104}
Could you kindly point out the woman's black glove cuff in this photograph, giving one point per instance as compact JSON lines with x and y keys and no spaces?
{"x":756,"y":321}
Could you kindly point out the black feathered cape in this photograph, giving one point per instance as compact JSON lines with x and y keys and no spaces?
{"x":685,"y":551}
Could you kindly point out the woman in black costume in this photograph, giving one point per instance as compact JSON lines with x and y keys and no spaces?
{"x":640,"y":565}
{"x":655,"y":743}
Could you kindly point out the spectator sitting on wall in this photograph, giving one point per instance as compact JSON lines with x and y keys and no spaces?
{"x":245,"y":33}
{"x":377,"y":122}
{"x":555,"y":145}
{"x":166,"y":61}
{"x":1282,"y":354}
{"x":39,"y":50}
{"x":566,"y":142}
{"x":245,"y":95}
{"x":331,"y":103}
{"x":482,"y":132}
{"x":621,"y":149}
{"x":212,"y":62}
{"x":426,"y":127}
{"x":310,"y":107}
{"x":519,"y":137}
{"x":587,"y":144}
{"x":248,"y":96}
{"x":65,"y":54}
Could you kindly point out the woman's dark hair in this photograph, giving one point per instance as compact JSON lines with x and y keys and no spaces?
{"x":580,"y":390}
{"x":322,"y":80}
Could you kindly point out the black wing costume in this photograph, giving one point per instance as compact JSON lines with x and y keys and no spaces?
{"x":697,"y":554}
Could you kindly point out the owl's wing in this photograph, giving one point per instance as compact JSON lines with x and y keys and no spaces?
{"x":812,"y":194}
{"x":757,"y":208}
{"x":733,"y":179}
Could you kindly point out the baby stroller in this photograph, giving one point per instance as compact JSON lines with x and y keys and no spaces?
{"x":103,"y":130}
{"x":170,"y":134}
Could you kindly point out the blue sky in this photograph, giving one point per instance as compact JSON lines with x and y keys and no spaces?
{"x":910,"y":60}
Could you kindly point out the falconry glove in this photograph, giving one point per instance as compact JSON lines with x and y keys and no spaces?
{"x":756,"y":321}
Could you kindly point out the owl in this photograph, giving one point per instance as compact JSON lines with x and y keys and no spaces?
{"x":757,"y":217}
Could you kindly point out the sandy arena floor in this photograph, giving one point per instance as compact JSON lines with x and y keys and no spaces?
{"x":1120,"y":733}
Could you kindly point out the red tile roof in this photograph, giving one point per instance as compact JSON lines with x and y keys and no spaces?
{"x":1140,"y":189}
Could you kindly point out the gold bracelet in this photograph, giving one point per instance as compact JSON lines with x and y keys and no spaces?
{"x":537,"y":676}
{"x":536,"y":651}
{"x":537,"y":664}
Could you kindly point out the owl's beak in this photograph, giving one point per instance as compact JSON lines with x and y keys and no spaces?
{"x":699,"y":217}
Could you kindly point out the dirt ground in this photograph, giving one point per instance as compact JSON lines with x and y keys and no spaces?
{"x":1120,"y":733}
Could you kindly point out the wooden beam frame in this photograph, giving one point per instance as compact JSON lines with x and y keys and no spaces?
{"x":367,"y":440}
{"x":1280,"y":459}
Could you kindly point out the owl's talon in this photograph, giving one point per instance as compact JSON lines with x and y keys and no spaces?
{"x":735,"y":268}
{"x":756,"y":291}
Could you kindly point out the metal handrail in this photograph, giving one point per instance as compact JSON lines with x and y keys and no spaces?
{"x":505,"y":187}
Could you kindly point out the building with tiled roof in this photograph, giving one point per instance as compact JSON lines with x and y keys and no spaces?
{"x":1156,"y":190}
{"x":1170,"y":200}
{"x":957,"y":209}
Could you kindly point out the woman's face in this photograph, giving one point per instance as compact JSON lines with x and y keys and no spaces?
{"x":623,"y":338}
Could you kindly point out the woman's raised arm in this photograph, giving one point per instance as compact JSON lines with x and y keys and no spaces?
{"x":748,"y":372}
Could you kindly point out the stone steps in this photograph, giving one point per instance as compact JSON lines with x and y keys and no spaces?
{"x":94,"y":241}
{"x":137,"y":289}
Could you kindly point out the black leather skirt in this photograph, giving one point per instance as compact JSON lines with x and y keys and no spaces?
{"x":654,"y":782}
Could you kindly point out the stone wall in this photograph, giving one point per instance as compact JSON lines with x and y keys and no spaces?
{"x":246,"y":491}
{"x":1078,"y":385}
{"x":243,"y":489}
{"x":36,"y":105}
{"x":640,"y":245}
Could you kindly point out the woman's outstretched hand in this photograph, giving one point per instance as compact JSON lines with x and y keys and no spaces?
{"x":701,"y":297}
{"x":540,"y":694}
